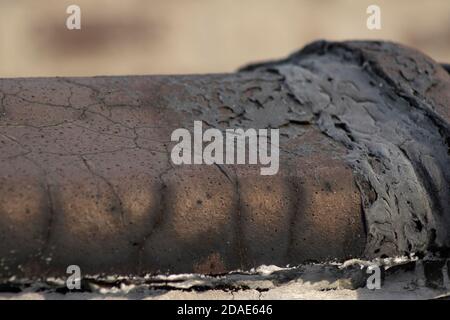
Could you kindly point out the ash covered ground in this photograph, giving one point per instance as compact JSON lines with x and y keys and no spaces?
{"x":401,"y":278}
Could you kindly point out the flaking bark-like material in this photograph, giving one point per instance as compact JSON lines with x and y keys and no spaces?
{"x":86,"y":176}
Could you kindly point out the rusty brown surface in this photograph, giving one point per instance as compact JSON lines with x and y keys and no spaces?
{"x":86,"y":178}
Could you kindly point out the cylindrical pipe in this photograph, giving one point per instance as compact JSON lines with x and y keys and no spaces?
{"x":87,"y":177}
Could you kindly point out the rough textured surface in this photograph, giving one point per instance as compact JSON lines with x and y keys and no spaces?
{"x":86,"y":178}
{"x":401,"y":278}
{"x":389,"y":105}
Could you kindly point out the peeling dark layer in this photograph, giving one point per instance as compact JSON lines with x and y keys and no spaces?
{"x":377,"y":100}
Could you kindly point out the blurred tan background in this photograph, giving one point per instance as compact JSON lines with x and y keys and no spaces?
{"x":198,"y":36}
